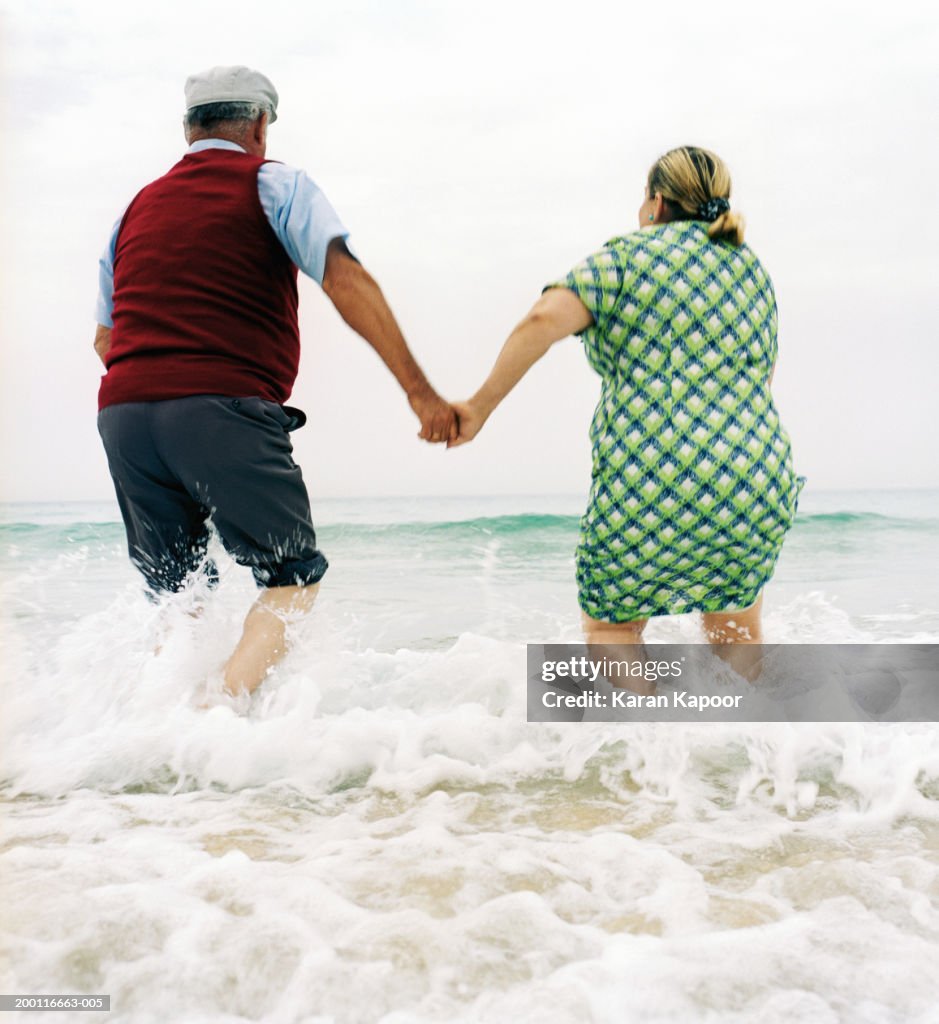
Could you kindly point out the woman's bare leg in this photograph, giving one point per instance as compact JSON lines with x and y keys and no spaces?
{"x":598,"y":632}
{"x":743,"y":627}
{"x":263,"y":639}
{"x":617,"y":641}
{"x":729,"y":632}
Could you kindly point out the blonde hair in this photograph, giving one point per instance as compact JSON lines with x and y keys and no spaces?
{"x":687,"y":177}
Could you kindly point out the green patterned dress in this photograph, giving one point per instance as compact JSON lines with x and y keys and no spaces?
{"x":693,"y":488}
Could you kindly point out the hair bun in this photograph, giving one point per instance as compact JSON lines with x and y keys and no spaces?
{"x":712,"y":208}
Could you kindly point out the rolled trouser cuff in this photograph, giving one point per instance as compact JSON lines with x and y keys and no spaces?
{"x":296,"y":573}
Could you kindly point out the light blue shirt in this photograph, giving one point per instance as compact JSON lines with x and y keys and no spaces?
{"x":296,"y":209}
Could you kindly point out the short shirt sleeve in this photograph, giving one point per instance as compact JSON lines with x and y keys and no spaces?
{"x":104,"y":307}
{"x":300,"y":215}
{"x":598,"y":282}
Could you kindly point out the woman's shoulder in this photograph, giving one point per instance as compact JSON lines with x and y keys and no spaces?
{"x":677,"y":243}
{"x":629,"y":249}
{"x":660,"y":237}
{"x":629,"y":240}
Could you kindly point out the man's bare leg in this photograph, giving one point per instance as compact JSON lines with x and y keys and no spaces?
{"x":263,"y":639}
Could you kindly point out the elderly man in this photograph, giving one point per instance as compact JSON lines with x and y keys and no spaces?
{"x":197,"y":329}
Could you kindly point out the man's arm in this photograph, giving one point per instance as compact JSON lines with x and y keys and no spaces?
{"x":359,"y":300}
{"x":102,"y":341}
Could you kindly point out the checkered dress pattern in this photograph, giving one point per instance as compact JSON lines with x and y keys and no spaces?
{"x":693,"y":489}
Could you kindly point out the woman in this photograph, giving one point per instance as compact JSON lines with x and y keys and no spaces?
{"x":693,"y":488}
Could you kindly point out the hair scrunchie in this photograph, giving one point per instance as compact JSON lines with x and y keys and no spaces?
{"x":712,"y":208}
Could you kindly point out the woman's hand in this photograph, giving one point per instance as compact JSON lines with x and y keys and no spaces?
{"x":470,"y":420}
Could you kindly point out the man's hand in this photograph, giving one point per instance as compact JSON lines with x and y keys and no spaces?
{"x":438,"y":420}
{"x":102,"y":342}
{"x":470,"y":418}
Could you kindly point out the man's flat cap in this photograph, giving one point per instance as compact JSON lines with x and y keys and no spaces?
{"x":235,"y":84}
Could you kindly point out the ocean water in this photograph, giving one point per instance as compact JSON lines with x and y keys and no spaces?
{"x":385,"y":837}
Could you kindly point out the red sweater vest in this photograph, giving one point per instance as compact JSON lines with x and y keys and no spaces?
{"x":205,"y":296}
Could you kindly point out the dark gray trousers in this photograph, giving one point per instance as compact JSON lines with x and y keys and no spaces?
{"x":176,"y":463}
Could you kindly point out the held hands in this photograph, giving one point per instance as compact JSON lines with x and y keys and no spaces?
{"x":455,"y":423}
{"x":438,"y":419}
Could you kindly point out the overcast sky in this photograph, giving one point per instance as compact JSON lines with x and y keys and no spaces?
{"x":477,"y":150}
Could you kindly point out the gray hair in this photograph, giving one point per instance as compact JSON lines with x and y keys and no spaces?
{"x":208,"y":115}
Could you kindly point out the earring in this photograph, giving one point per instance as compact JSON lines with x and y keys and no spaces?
{"x":651,"y":217}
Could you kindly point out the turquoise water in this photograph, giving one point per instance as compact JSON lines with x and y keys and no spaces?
{"x":385,"y":837}
{"x":430,"y":569}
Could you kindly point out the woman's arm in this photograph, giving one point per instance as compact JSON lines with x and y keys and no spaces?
{"x":558,"y":313}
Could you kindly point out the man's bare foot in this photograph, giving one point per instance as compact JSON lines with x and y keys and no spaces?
{"x":194,"y":613}
{"x":216,"y":696}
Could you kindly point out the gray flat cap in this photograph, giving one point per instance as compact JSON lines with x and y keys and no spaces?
{"x":236,"y":84}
